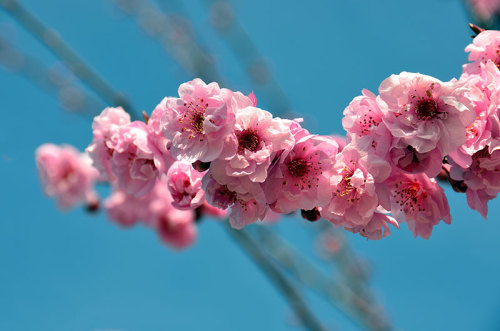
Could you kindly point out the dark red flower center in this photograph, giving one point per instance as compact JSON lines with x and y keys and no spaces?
{"x":426,"y":109}
{"x":298,"y":167}
{"x":248,"y":139}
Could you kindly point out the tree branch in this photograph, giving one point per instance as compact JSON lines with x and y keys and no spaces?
{"x":61,"y":49}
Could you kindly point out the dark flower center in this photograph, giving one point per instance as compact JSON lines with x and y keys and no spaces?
{"x":298,"y":167}
{"x":197,"y":121}
{"x":248,"y":139}
{"x":426,"y":109}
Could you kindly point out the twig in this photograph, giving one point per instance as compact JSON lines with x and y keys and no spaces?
{"x":349,"y":302}
{"x":72,"y":97}
{"x":286,"y":287}
{"x":60,"y":48}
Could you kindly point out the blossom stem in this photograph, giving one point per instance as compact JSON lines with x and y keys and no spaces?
{"x":51,"y":39}
{"x":284,"y":285}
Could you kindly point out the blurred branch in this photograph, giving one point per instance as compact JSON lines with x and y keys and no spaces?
{"x":60,"y":48}
{"x":244,"y":49}
{"x":287,"y":288}
{"x":368,"y":314}
{"x":72,"y":97}
{"x":175,"y":34}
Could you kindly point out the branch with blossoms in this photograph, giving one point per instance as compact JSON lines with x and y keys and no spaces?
{"x":71,"y":159}
{"x":214,"y":147}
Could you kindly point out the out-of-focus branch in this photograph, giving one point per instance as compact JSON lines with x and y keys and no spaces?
{"x":175,"y":34}
{"x":72,"y":97}
{"x":366,"y":313}
{"x":224,"y":20}
{"x":286,"y":287}
{"x":60,"y":48}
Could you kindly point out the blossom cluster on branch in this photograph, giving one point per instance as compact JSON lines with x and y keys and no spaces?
{"x":212,"y":149}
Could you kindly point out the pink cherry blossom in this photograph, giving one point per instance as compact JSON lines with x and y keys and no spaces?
{"x":66,"y":175}
{"x":356,"y":187}
{"x":301,"y":177}
{"x":258,"y":137}
{"x":126,"y":209}
{"x":419,"y":201}
{"x":484,"y":90}
{"x":365,"y":128}
{"x":199,"y":122}
{"x":484,"y":47}
{"x":184,"y":184}
{"x":377,"y":228}
{"x":482,"y":177}
{"x":245,"y":199}
{"x":133,"y":159}
{"x":175,"y":227}
{"x":425,"y":114}
{"x":407,"y":159}
{"x":163,"y":158}
{"x":105,"y":127}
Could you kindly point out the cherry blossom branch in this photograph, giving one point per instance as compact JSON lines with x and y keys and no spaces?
{"x":72,"y":97}
{"x":52,"y":40}
{"x":107,"y":92}
{"x":173,"y":34}
{"x":286,"y":287}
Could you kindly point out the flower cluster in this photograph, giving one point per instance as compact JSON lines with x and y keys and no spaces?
{"x":212,"y":149}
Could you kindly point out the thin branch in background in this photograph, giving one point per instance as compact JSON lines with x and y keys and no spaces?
{"x":368,"y":314}
{"x":51,"y":39}
{"x":287,"y":288}
{"x":334,"y":247}
{"x":52,"y":80}
{"x":240,"y":43}
{"x":175,"y":34}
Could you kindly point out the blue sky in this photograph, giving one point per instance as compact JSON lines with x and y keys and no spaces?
{"x":72,"y":271}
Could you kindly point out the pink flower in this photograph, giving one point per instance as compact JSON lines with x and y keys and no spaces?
{"x":340,"y":140}
{"x":363,"y":123}
{"x":482,"y":177}
{"x":133,"y":159}
{"x":105,"y":127}
{"x":66,"y":175}
{"x":184,"y":183}
{"x":484,"y":47}
{"x":425,"y":114}
{"x":356,"y":187}
{"x":376,"y":229}
{"x":301,"y":177}
{"x":407,"y":159}
{"x":258,"y":137}
{"x":126,"y":209}
{"x":163,"y":158}
{"x":245,"y":199}
{"x":419,"y":201}
{"x":175,"y":227}
{"x":199,"y":122}
{"x":484,"y":90}
{"x":485,"y":9}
